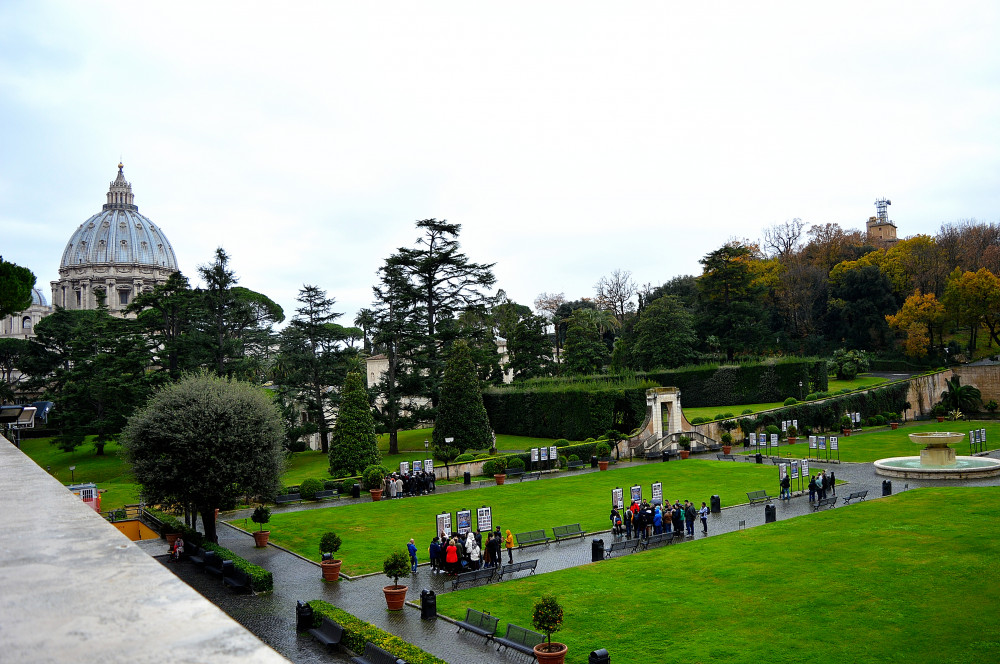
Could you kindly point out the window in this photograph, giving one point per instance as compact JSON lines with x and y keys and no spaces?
{"x":26,"y":323}
{"x":123,"y":297}
{"x":79,"y":298}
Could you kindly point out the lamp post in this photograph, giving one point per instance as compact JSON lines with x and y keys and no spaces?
{"x":427,"y":445}
{"x":72,"y":474}
{"x":800,"y":390}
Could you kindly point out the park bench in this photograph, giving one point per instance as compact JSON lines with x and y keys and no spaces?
{"x":621,"y":545}
{"x":825,"y":502}
{"x":572,"y":530}
{"x":486,"y":573}
{"x":531,"y":537}
{"x":234,"y":577}
{"x":213,"y":564}
{"x":288,"y":498}
{"x":328,"y":633}
{"x":537,"y":475}
{"x":726,"y":457}
{"x":653,"y":456}
{"x":576,"y":464}
{"x":859,"y":495}
{"x":198,"y":556}
{"x":655,"y":539}
{"x":375,"y":655}
{"x":328,"y":493}
{"x":519,"y":566}
{"x":520,"y":639}
{"x":515,"y":472}
{"x":714,"y":446}
{"x":479,"y":623}
{"x":759,"y":497}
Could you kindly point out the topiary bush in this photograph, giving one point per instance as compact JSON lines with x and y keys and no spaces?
{"x":727,"y":438}
{"x":464,"y":458}
{"x":330,"y":543}
{"x":791,"y":401}
{"x":373,"y":477}
{"x":516,"y":463}
{"x":481,"y":456}
{"x":747,"y":411}
{"x":489,"y":468}
{"x":573,"y":457}
{"x":309,"y":487}
{"x":700,"y":420}
{"x":603,"y":450}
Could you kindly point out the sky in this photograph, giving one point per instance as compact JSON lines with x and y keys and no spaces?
{"x":569,"y":139}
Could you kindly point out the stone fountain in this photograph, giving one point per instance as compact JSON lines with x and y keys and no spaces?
{"x":937,"y":460}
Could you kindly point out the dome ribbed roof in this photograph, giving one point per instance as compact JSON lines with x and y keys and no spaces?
{"x":38,"y":298}
{"x":119,"y":235}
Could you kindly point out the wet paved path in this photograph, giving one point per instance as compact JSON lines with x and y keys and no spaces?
{"x":272,"y":616}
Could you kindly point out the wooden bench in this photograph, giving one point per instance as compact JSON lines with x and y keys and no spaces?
{"x":714,"y":446}
{"x":375,"y":655}
{"x":198,"y":556}
{"x":531,"y":537}
{"x":537,"y":475}
{"x":515,"y":472}
{"x":759,"y":497}
{"x":655,"y":539}
{"x":572,"y":530}
{"x":486,"y":573}
{"x":234,"y":577}
{"x":726,"y":457}
{"x":858,"y":495}
{"x":213,"y":564}
{"x":288,"y":498}
{"x":653,"y":456}
{"x":520,"y":639}
{"x":329,"y":633}
{"x":621,"y":545}
{"x":328,"y":493}
{"x":479,"y":623}
{"x":579,"y":463}
{"x":825,"y":502}
{"x":519,"y":566}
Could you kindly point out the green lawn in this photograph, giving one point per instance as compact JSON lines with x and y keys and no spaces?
{"x":853,"y":384}
{"x":372,"y":530}
{"x":905,"y":579}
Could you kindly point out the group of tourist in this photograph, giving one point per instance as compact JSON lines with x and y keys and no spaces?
{"x":821,"y":484}
{"x":645,"y":519}
{"x":451,"y":554}
{"x":400,"y":485}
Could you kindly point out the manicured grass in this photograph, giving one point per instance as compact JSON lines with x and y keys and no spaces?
{"x":905,"y":579}
{"x":853,"y":384}
{"x":883,"y":442}
{"x":370,"y":531}
{"x":712,"y":411}
{"x":109,"y":472}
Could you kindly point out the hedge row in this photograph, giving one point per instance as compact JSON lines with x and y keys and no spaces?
{"x":357,"y":632}
{"x":576,"y":413}
{"x":750,"y":383}
{"x":825,"y":415}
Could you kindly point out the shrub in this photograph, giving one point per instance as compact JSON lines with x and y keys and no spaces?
{"x":573,"y":457}
{"x":772,"y":429}
{"x":590,"y":440}
{"x":329,"y":543}
{"x":562,"y":442}
{"x":373,"y":477}
{"x":845,"y":422}
{"x":396,"y":566}
{"x":260,"y":579}
{"x":700,"y":420}
{"x":685,"y":442}
{"x":563,"y":462}
{"x":357,"y":632}
{"x":480,"y":457}
{"x":603,"y":450}
{"x":463,"y":458}
{"x":261,"y":515}
{"x":845,"y":390}
{"x":747,"y":411}
{"x":309,"y":487}
{"x":880,"y":420}
{"x":500,"y":463}
{"x":516,"y":463}
{"x":547,"y":616}
{"x":727,"y":438}
{"x":792,"y":431}
{"x":810,"y":397}
{"x":791,"y":401}
{"x":992,"y":406}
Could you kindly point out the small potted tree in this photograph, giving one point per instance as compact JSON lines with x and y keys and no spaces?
{"x":260,"y":516}
{"x":846,"y":425}
{"x":792,"y":434}
{"x":329,"y":544}
{"x":727,"y":443}
{"x":603,"y":451}
{"x":373,"y":478}
{"x":500,"y":469}
{"x":893,"y":420}
{"x":685,"y":443}
{"x":939,"y":411}
{"x":547,"y":618}
{"x":396,"y":567}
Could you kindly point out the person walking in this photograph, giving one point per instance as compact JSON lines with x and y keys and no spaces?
{"x":690,"y":513}
{"x":412,"y":548}
{"x":510,"y":548}
{"x":628,"y":524}
{"x":821,"y":485}
{"x":812,"y":488}
{"x":703,"y":513}
{"x":451,"y":556}
{"x":434,"y":553}
{"x":786,"y":487}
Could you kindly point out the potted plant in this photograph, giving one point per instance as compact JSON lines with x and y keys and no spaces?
{"x":500,"y":469}
{"x":727,"y":442}
{"x":685,"y":443}
{"x":396,"y":567}
{"x":260,"y":516}
{"x":329,"y":544}
{"x":792,"y":434}
{"x":373,"y":478}
{"x":939,"y":411}
{"x":603,"y":451}
{"x":547,"y":618}
{"x":846,"y":425}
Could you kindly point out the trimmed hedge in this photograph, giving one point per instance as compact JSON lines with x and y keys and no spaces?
{"x":825,"y":415}
{"x":357,"y":632}
{"x":261,"y":580}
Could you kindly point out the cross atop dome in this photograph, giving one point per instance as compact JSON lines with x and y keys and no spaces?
{"x":120,"y":193}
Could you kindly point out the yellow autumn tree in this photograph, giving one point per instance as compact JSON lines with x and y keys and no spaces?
{"x":917,"y":318}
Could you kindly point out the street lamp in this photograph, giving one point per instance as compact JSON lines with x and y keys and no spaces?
{"x":427,"y":445}
{"x":72,"y":474}
{"x":800,"y":390}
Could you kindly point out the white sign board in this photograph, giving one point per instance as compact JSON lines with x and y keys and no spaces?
{"x":484,"y":519}
{"x":464,"y":518}
{"x":404,"y":467}
{"x":417,"y":466}
{"x":534,"y":454}
{"x":444,"y":524}
{"x":618,"y":498}
{"x":795,"y":470}
{"x":545,"y":454}
{"x":812,"y":442}
{"x":553,"y":453}
{"x":428,"y":465}
{"x":834,"y":442}
{"x":657,"y":493}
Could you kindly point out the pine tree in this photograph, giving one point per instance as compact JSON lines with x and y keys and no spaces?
{"x":461,"y":414}
{"x":353,"y":445}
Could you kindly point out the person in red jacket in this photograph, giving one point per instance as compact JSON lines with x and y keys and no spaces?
{"x":451,"y":556}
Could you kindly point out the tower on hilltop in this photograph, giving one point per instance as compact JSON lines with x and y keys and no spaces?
{"x":880,"y":229}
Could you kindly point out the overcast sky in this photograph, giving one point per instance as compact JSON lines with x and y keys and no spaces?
{"x":567,"y":138}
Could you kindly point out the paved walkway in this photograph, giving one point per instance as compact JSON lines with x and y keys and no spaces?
{"x":272,"y":616}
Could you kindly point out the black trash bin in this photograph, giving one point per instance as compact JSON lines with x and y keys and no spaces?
{"x":593,"y":462}
{"x":467,"y":478}
{"x":716,"y":505}
{"x":596,"y":550}
{"x":666,"y":455}
{"x":599,"y":657}
{"x":428,"y":604}
{"x":759,"y":457}
{"x":303,"y":617}
{"x":356,"y":491}
{"x":886,"y":487}
{"x":770,"y":514}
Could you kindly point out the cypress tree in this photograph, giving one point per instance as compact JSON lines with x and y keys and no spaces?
{"x":353,"y":445}
{"x":461,"y":414}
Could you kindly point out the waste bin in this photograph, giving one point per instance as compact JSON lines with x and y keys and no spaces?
{"x":356,"y":491}
{"x":759,"y":457}
{"x":428,"y":604}
{"x":770,"y":514}
{"x":886,"y":487}
{"x":666,"y":455}
{"x":593,"y":462}
{"x":599,"y":657}
{"x":596,"y":550}
{"x":303,"y":616}
{"x":467,"y":478}
{"x":716,"y":505}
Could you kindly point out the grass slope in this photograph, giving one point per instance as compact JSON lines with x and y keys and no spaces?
{"x":906,"y":579}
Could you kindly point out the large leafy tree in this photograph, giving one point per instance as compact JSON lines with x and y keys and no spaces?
{"x":461,"y":414}
{"x":12,"y":354}
{"x":353,"y":446}
{"x":206,"y":441}
{"x":920,"y":315}
{"x":664,"y":335}
{"x":529,"y":349}
{"x":859,"y":302}
{"x":585,"y":352}
{"x":730,"y":299}
{"x":170,"y":316}
{"x":16,"y":283}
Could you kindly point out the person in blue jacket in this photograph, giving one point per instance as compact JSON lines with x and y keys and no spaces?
{"x":412,"y":548}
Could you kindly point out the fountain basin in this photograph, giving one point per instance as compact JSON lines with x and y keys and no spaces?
{"x":963,"y":468}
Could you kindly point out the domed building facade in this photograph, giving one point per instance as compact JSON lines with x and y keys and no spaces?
{"x":22,"y":325}
{"x":118,"y":250}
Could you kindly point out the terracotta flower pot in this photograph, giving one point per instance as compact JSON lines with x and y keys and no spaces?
{"x":500,"y":478}
{"x":395,"y":596}
{"x":376,"y":494}
{"x":894,"y":425}
{"x":727,"y":449}
{"x":331,"y":569}
{"x":940,"y":418}
{"x":792,"y":440}
{"x":550,"y":653}
{"x":846,"y":432}
{"x":685,"y":454}
{"x":603,"y":465}
{"x":260,"y":538}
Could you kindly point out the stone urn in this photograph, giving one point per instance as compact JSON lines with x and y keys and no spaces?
{"x":395,"y":596}
{"x":331,"y":569}
{"x":376,"y":494}
{"x":550,"y":653}
{"x":500,"y":478}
